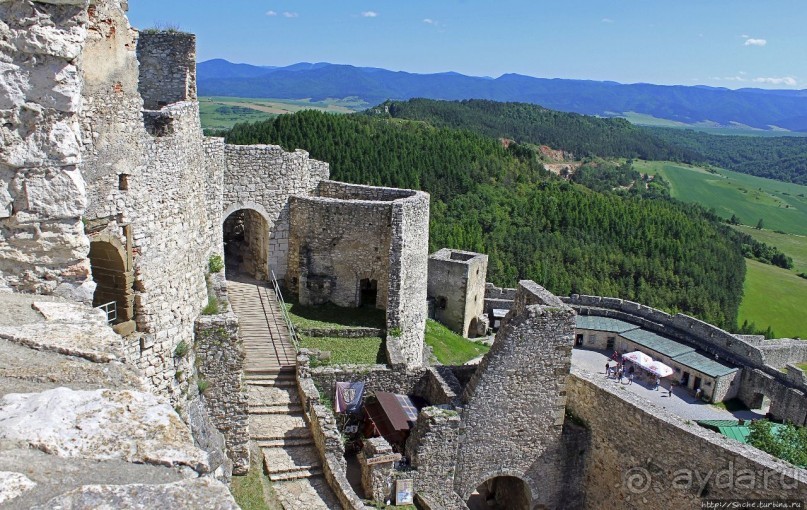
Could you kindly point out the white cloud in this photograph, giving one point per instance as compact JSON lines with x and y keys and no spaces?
{"x":607,"y":20}
{"x":755,"y":42}
{"x":369,"y":14}
{"x":288,"y":14}
{"x":430,"y":21}
{"x":271,"y":13}
{"x":784,"y":80}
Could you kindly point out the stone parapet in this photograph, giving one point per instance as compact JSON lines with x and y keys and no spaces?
{"x":685,"y":465}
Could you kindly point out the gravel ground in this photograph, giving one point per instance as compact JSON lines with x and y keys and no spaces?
{"x":682,"y":403}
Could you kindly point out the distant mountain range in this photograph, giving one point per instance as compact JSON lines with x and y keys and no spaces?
{"x":697,"y":105}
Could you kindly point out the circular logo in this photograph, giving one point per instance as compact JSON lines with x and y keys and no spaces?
{"x":637,"y":480}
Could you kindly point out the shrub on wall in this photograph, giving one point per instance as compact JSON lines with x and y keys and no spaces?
{"x":215,"y":264}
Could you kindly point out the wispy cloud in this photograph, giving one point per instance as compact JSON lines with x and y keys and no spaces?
{"x":369,"y":14}
{"x":271,"y":13}
{"x":607,"y":20}
{"x":784,"y":80}
{"x":287,"y":14}
{"x":788,"y":81}
{"x":755,"y":42}
{"x":430,"y":21}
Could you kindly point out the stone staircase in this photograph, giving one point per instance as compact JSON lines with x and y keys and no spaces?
{"x":277,"y":426}
{"x":276,"y":421}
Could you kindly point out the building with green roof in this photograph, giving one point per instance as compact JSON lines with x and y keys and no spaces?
{"x":597,"y":332}
{"x":691,"y":369}
{"x":662,"y":346}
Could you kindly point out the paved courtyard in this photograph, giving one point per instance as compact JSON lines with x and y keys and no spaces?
{"x":681,"y":403}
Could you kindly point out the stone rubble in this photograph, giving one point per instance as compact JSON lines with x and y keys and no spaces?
{"x":102,"y":425}
{"x":13,"y":485}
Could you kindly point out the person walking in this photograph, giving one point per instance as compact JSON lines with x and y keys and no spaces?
{"x":670,"y":390}
{"x":658,"y":382}
{"x":630,"y":377}
{"x":607,"y":369}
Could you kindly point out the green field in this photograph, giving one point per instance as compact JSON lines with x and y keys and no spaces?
{"x":774,"y":297}
{"x":223,"y":112}
{"x":781,"y":205}
{"x":642,"y":119}
{"x":794,"y":246}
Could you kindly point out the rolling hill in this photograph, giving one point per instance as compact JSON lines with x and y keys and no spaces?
{"x":755,"y":108}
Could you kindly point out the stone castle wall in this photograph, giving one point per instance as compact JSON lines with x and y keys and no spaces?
{"x":702,"y":335}
{"x":262,"y":178}
{"x":514,"y":404}
{"x":334,"y":245}
{"x":147,"y":188}
{"x":43,"y":248}
{"x":167,"y":68}
{"x":406,"y":307}
{"x":214,"y":166}
{"x":220,"y":358}
{"x":643,"y":457}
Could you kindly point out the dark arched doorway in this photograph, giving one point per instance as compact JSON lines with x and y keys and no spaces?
{"x":113,"y":278}
{"x":473,"y":328}
{"x":501,"y":493}
{"x":246,"y":244}
{"x":368,"y":292}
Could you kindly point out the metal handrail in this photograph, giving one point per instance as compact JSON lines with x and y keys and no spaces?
{"x":285,"y":313}
{"x":111,"y":311}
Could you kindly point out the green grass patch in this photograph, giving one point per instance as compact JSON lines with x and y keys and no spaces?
{"x":781,"y":205}
{"x":774,"y":297}
{"x":450,"y":348}
{"x":330,"y":316}
{"x":802,"y":366}
{"x":253,"y":491}
{"x":348,"y":351}
{"x":217,"y":112}
{"x":792,"y":245}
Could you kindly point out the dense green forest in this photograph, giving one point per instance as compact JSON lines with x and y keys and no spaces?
{"x":781,"y":158}
{"x":581,"y":135}
{"x":500,"y":201}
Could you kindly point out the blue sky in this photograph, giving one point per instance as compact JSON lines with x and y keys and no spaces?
{"x":726,"y":43}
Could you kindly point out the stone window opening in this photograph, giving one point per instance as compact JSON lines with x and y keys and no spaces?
{"x":368,"y":292}
{"x":123,"y":182}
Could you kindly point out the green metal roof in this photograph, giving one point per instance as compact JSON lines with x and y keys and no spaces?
{"x":718,"y":423}
{"x":738,"y":433}
{"x":658,"y":343}
{"x":603,"y":324}
{"x":729,"y":428}
{"x":704,"y":365}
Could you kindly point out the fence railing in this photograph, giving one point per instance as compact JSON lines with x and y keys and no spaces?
{"x":111,"y":311}
{"x":286,"y":318}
